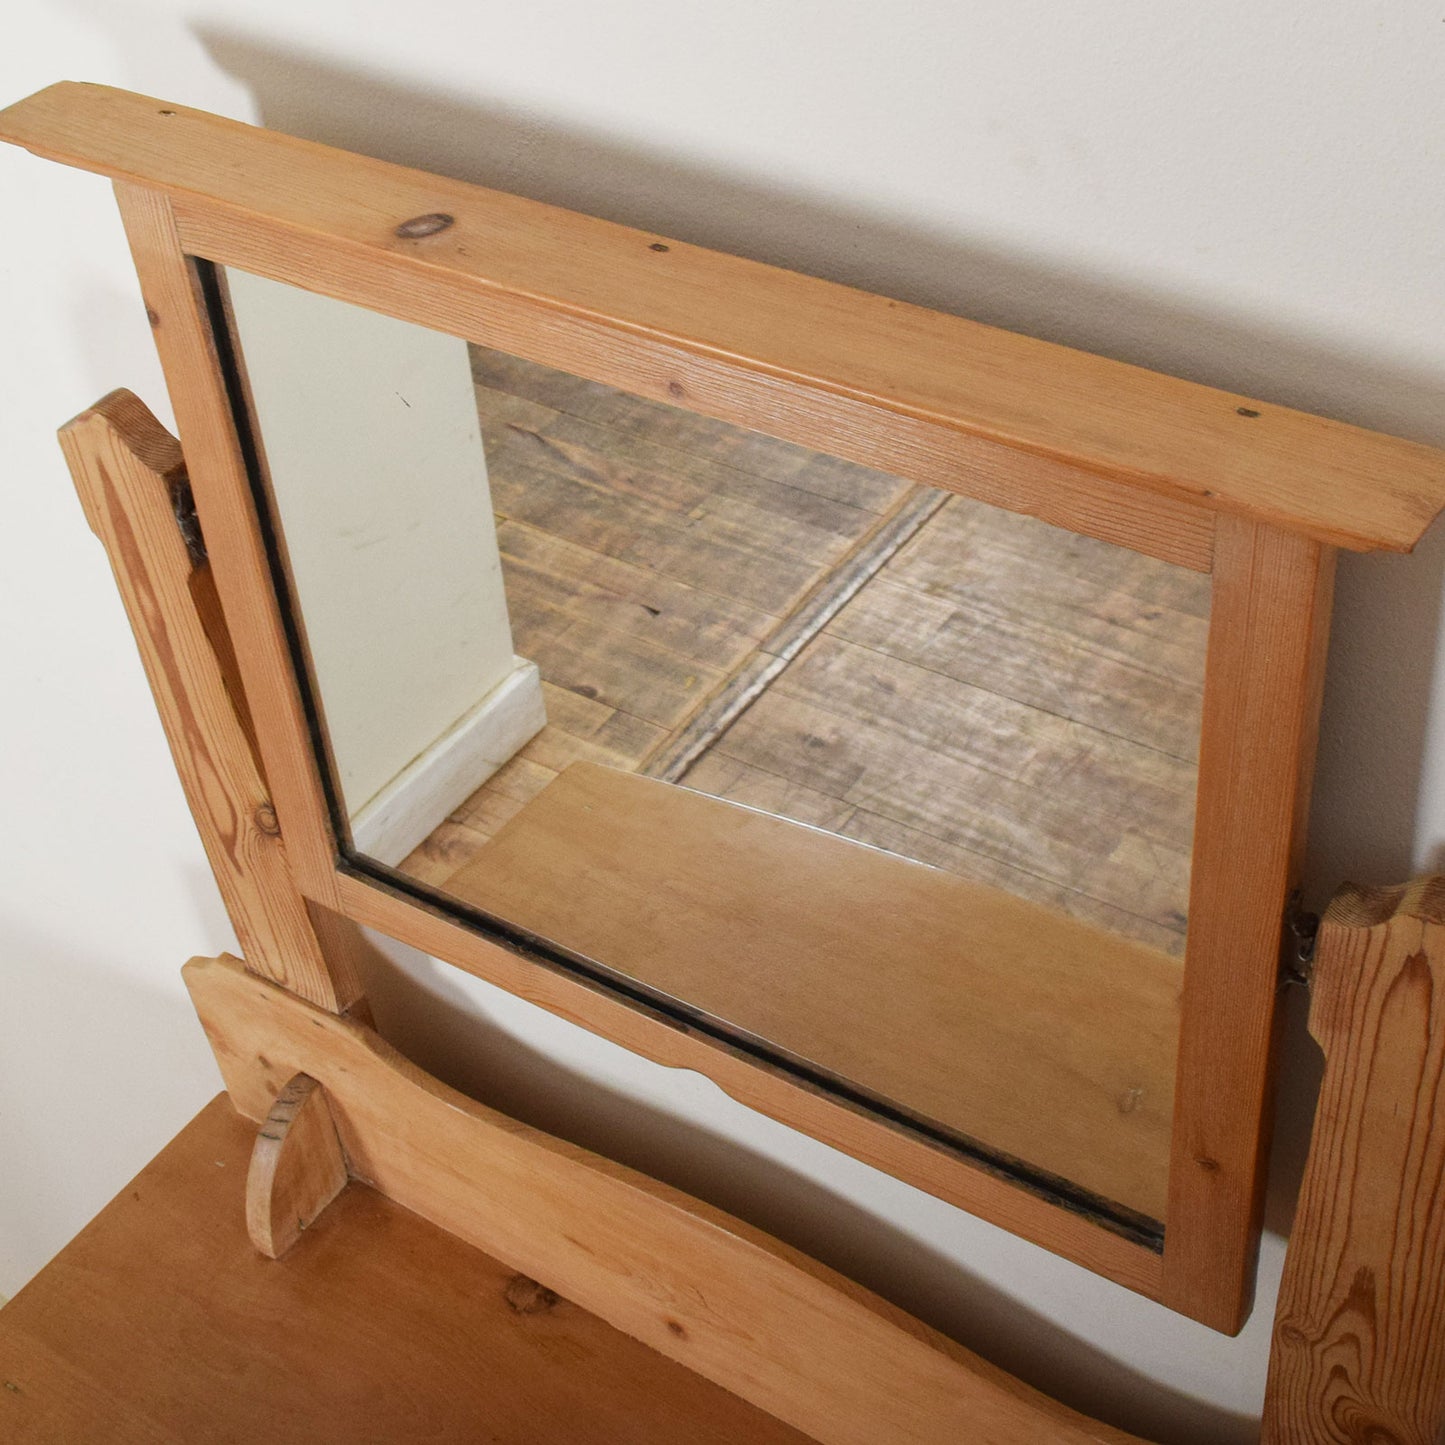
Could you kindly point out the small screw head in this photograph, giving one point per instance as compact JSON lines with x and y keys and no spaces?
{"x":659,"y":246}
{"x":428,"y":225}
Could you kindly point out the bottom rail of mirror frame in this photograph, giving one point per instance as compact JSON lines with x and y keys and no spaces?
{"x":395,"y":907}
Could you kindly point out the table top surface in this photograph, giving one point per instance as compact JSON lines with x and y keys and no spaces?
{"x":160,"y":1322}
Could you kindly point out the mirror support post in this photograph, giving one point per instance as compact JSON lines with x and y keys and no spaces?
{"x":1359,"y":1335}
{"x":126,"y":466}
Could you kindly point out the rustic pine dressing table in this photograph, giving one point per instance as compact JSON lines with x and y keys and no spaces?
{"x":876,"y":998}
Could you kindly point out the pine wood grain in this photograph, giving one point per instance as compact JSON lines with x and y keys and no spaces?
{"x":293,"y":209}
{"x":1359,"y":1339}
{"x":234,"y":543}
{"x":297,"y":1167}
{"x":938,"y":996}
{"x":159,"y":1324}
{"x":125,"y":464}
{"x":727,"y":1301}
{"x":1263,"y":680}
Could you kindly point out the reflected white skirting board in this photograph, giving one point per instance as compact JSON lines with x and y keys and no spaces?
{"x":438,"y":781}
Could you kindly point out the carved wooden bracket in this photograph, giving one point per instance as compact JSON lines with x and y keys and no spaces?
{"x":297,"y":1167}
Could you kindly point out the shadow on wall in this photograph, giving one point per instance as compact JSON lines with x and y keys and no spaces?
{"x":69,"y":1025}
{"x":1374,"y":738}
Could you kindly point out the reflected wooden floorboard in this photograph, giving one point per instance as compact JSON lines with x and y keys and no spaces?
{"x":999,"y":699}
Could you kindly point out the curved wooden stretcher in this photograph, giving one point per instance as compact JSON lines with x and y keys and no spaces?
{"x":527,"y":1290}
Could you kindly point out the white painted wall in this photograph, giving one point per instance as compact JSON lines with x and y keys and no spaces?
{"x":374,"y":453}
{"x":1243,"y":193}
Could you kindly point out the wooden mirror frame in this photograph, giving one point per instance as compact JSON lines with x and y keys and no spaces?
{"x":1256,"y":495}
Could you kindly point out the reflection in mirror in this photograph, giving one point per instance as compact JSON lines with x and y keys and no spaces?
{"x":889,"y":783}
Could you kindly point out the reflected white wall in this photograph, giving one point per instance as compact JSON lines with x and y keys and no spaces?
{"x":374,"y":455}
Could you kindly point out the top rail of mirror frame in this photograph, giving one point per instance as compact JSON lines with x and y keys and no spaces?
{"x":1205,"y":449}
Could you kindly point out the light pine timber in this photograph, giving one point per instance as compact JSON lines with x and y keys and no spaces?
{"x":727,"y":1301}
{"x":1359,"y":1337}
{"x":159,"y":1324}
{"x":295,"y":210}
{"x":932,"y":993}
{"x":125,"y":464}
{"x":1263,"y":678}
{"x":297,"y":1167}
{"x":233,"y":541}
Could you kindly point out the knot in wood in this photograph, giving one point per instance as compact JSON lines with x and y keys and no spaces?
{"x":427,"y":225}
{"x":527,"y":1297}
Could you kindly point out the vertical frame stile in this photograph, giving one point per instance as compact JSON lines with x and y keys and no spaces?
{"x":223,"y":502}
{"x":1269,"y":629}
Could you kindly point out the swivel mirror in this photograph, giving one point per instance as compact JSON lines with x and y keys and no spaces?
{"x":904,"y":723}
{"x":946,"y":755}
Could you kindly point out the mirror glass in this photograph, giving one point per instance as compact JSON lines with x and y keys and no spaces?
{"x":886,"y":785}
